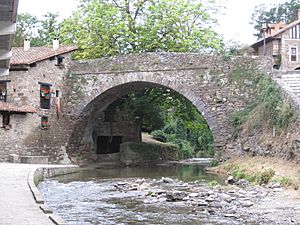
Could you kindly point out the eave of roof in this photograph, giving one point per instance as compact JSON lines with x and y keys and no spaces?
{"x":37,"y":54}
{"x":9,"y":107}
{"x":273,"y":36}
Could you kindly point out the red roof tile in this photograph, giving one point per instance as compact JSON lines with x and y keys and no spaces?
{"x":36,"y":54}
{"x":9,"y":107}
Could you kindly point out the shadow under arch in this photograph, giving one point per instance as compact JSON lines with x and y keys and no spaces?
{"x":97,"y":103}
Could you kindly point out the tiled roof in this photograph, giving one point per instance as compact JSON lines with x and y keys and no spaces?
{"x":36,"y":54}
{"x":272,"y":36}
{"x":9,"y":107}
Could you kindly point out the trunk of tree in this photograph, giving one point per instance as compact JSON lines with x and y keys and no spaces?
{"x":138,"y":128}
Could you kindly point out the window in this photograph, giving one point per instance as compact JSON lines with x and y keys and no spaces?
{"x":6,"y":120}
{"x":44,"y":122}
{"x":59,"y":63}
{"x":45,"y":95}
{"x":3,"y":91}
{"x":293,"y":54}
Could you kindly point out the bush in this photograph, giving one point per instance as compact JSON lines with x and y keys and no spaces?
{"x":285,"y":181}
{"x":186,"y":149}
{"x":265,"y":176}
{"x":261,"y":178}
{"x":153,"y":152}
{"x":268,"y":109}
{"x":159,"y":135}
{"x":214,"y":163}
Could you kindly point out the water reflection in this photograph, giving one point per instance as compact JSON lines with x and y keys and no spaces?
{"x":176,"y":171}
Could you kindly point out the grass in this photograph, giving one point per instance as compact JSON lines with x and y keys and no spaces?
{"x":266,"y":110}
{"x":261,"y":170}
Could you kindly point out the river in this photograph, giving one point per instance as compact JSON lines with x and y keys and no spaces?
{"x":107,"y":195}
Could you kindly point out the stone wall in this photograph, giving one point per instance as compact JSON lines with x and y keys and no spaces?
{"x":202,"y":79}
{"x":89,"y":87}
{"x":26,"y":137}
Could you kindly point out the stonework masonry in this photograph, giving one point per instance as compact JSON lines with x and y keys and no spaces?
{"x":88,"y":87}
{"x":26,"y":136}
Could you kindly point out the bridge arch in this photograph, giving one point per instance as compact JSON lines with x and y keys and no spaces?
{"x":200,"y":79}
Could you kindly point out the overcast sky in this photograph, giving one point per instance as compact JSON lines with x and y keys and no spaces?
{"x":234,"y":23}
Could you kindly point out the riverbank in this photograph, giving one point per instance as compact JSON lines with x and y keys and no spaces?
{"x":286,"y":173}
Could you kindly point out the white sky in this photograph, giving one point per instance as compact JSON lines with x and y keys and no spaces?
{"x":234,"y":23}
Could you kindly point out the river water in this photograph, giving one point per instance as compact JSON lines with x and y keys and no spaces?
{"x":94,"y":196}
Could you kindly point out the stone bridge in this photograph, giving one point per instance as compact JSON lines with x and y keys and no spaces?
{"x":94,"y":84}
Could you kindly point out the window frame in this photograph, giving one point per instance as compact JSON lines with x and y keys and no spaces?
{"x":293,"y":54}
{"x":45,"y":95}
{"x":45,"y":122}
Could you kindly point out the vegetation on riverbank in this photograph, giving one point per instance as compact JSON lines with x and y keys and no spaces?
{"x":261,"y":170}
{"x":266,"y":109}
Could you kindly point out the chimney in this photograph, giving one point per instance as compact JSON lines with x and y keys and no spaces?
{"x":26,"y":44}
{"x":55,"y":45}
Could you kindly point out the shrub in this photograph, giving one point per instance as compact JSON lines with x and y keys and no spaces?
{"x":268,"y":109}
{"x":265,"y":176}
{"x":159,"y":135}
{"x":261,"y":178}
{"x":214,"y":163}
{"x":186,"y":149}
{"x":213,"y":183}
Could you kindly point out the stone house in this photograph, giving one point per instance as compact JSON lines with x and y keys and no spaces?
{"x":35,"y":109}
{"x":281,"y":42}
{"x":30,"y":98}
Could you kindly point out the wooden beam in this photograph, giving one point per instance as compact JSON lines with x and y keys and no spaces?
{"x":7,"y":28}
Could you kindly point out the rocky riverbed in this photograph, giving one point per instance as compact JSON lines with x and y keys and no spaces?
{"x":185,"y":195}
{"x":241,"y":203}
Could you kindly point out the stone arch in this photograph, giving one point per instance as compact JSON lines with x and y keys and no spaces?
{"x":191,"y":75}
{"x":103,"y":96}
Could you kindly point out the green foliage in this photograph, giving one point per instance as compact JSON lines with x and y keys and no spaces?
{"x":159,"y":135}
{"x":265,"y":176}
{"x":151,"y":152}
{"x":169,"y":117}
{"x":186,"y":148}
{"x":213,"y":183}
{"x":105,"y":28}
{"x":286,"y":115}
{"x":262,"y":177}
{"x":285,"y":181}
{"x":214,"y":163}
{"x":49,"y":29}
{"x":285,"y":12}
{"x":267,"y":109}
{"x":25,"y":28}
{"x":40,"y":32}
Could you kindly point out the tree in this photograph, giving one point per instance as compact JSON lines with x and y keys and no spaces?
{"x":169,"y":117}
{"x":40,"y":32}
{"x":49,"y":28}
{"x":285,"y":12}
{"x":110,"y":27}
{"x":26,"y":26}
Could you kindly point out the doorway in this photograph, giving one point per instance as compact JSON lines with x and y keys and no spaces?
{"x":108,"y":145}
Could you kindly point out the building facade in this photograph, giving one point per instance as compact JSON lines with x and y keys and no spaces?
{"x":35,"y":112}
{"x":30,"y":98}
{"x":281,"y":42}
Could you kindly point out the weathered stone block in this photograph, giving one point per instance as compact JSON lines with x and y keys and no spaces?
{"x":34,"y":159}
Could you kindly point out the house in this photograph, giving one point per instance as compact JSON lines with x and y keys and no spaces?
{"x":30,"y":98}
{"x":36,"y":114}
{"x":282,"y":42}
